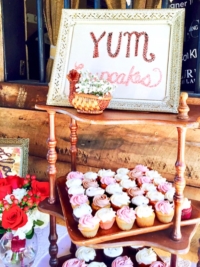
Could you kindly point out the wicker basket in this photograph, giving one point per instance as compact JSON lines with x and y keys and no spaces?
{"x":90,"y":104}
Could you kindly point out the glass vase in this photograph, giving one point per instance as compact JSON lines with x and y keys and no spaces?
{"x":17,"y":253}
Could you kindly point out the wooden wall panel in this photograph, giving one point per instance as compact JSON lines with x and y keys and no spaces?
{"x":104,"y":147}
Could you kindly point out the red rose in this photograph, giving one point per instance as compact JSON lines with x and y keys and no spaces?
{"x":40,"y":187}
{"x":15,"y":181}
{"x":5,"y":188}
{"x":14,"y":218}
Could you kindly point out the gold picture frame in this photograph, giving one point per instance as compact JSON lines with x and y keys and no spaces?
{"x":139,"y":50}
{"x":14,"y":156}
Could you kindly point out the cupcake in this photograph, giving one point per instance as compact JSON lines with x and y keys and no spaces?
{"x":74,"y":262}
{"x":158,"y":264}
{"x":127,"y":183}
{"x":90,"y":175}
{"x":134,"y":191}
{"x":100,"y":201}
{"x":77,"y":200}
{"x":148,"y":187}
{"x":145,"y":216}
{"x":81,"y":210}
{"x":86,"y":254}
{"x":145,"y":257}
{"x":119,"y":200}
{"x":164,"y":211}
{"x":88,"y":225}
{"x":90,"y":183}
{"x":107,"y":180}
{"x":186,"y":209}
{"x":159,"y":180}
{"x":141,"y":168}
{"x":106,"y":217}
{"x":169,"y":195}
{"x":143,"y":179}
{"x":120,"y":176}
{"x":91,"y":192}
{"x":96,"y":264}
{"x":125,"y":218}
{"x":134,"y":174}
{"x":154,"y":197}
{"x":139,"y":200}
{"x":122,"y":261}
{"x":111,"y":253}
{"x":73,"y":182}
{"x":103,"y":172}
{"x":122,"y":171}
{"x":76,"y":190}
{"x":74,"y":175}
{"x":113,"y":189}
{"x":164,"y":187}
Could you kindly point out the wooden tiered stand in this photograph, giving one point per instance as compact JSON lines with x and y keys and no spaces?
{"x":174,"y":237}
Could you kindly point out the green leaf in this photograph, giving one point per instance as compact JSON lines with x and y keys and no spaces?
{"x":39,"y":223}
{"x":2,"y":230}
{"x":30,"y":234}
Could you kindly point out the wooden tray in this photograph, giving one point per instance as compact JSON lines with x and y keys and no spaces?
{"x":114,"y":232}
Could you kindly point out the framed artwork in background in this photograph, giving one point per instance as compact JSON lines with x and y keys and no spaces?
{"x":14,"y":156}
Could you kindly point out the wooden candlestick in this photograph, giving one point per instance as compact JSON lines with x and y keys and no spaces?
{"x":183,"y":108}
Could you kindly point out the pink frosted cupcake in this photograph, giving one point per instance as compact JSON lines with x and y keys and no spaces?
{"x":106,"y":217}
{"x":134,"y":191}
{"x":122,"y":261}
{"x":88,"y":225}
{"x":90,"y":183}
{"x":74,"y":263}
{"x":134,"y":174}
{"x":107,"y":180}
{"x":141,"y":168}
{"x":125,"y":218}
{"x":100,"y":201}
{"x":164,"y":187}
{"x":142,"y":180}
{"x":74,"y":175}
{"x":77,"y":200}
{"x":186,"y":208}
{"x":164,"y":211}
{"x":159,"y":264}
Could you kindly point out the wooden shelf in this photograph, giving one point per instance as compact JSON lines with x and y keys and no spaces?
{"x":114,"y":117}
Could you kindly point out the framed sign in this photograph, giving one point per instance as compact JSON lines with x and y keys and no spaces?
{"x":138,"y":50}
{"x":13,"y":156}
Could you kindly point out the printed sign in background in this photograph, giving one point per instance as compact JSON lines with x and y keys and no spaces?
{"x":190,"y":73}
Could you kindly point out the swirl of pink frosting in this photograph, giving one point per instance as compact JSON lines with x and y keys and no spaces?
{"x":164,"y":207}
{"x":75,"y":175}
{"x":122,"y":261}
{"x":141,"y":168}
{"x":164,"y":187}
{"x":78,"y":199}
{"x":133,"y":174}
{"x":101,"y":200}
{"x":88,"y":221}
{"x":108,"y":180}
{"x":158,"y":264}
{"x":74,"y":263}
{"x":144,"y":179}
{"x":126,"y":214}
{"x":135,"y":191}
{"x":90,"y":183}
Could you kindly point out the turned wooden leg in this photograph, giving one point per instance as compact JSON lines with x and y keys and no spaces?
{"x":53,"y":248}
{"x":173,"y":260}
{"x":52,"y":156}
{"x":179,"y":182}
{"x":73,"y":139}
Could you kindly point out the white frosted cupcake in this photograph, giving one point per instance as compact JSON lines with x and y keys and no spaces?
{"x":140,"y":200}
{"x":113,"y":189}
{"x":106,"y":217}
{"x":73,"y":182}
{"x":120,"y":176}
{"x":94,"y":191}
{"x":159,"y":180}
{"x":119,"y":200}
{"x":76,"y":190}
{"x":153,"y":174}
{"x":127,"y":183}
{"x":103,"y":172}
{"x":122,"y":171}
{"x":111,"y":253}
{"x":145,"y":216}
{"x":85,"y":253}
{"x":148,"y":187}
{"x":90,"y":175}
{"x":81,"y":210}
{"x":154,"y":197}
{"x":169,"y":195}
{"x":96,"y":264}
{"x":145,"y":257}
